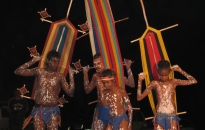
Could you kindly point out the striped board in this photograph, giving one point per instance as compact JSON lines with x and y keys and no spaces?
{"x":61,"y":37}
{"x":152,"y":51}
{"x":103,"y":38}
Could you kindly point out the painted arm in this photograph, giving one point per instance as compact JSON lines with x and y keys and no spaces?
{"x":129,"y":107}
{"x":191,"y":80}
{"x":69,"y":88}
{"x":88,"y":86}
{"x":129,"y":81}
{"x":23,"y":69}
{"x":141,"y":95}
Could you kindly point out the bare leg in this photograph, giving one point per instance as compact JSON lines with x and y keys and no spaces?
{"x":53,"y":123}
{"x":109,"y":127}
{"x":123,"y":125}
{"x":159,"y":127}
{"x":97,"y":124}
{"x":38,"y":124}
{"x":174,"y":125}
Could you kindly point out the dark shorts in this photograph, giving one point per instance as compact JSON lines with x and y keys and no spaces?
{"x":46,"y":112}
{"x":103,"y":114}
{"x":164,"y":120}
{"x":115,"y":121}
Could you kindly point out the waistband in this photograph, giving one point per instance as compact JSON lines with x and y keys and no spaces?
{"x":38,"y":105}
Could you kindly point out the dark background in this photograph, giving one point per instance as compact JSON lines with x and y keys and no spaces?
{"x":21,"y":27}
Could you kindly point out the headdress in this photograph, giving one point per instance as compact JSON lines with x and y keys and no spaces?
{"x":107,"y":78}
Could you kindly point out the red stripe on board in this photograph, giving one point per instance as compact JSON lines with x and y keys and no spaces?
{"x":153,"y":52}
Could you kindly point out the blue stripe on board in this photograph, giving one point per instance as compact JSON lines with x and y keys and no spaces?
{"x":63,"y":38}
{"x":58,"y":36}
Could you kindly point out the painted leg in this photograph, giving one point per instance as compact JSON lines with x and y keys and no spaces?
{"x":159,"y":127}
{"x":97,"y":124}
{"x":109,"y":127}
{"x":53,"y":123}
{"x":174,"y":125}
{"x":123,"y":125}
{"x":38,"y":124}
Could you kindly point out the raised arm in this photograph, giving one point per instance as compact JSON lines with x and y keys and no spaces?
{"x":191,"y":80}
{"x":88,"y":86}
{"x":129,"y":107}
{"x":69,"y":88}
{"x":23,"y":69}
{"x":141,"y":95}
{"x":129,"y":81}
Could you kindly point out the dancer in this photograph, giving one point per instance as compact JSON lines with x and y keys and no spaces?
{"x":100,"y":118}
{"x":46,"y":112}
{"x":166,"y":117}
{"x":116,"y":98}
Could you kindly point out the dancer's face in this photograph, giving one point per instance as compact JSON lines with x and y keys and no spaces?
{"x":164,"y":74}
{"x":98,"y":64}
{"x":108,"y":83}
{"x":53,"y":64}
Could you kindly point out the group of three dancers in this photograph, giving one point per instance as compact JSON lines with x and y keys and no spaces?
{"x":110,"y":113}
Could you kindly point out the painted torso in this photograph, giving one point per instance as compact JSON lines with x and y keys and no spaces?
{"x":115,"y":102}
{"x":165,"y":97}
{"x":47,"y":87}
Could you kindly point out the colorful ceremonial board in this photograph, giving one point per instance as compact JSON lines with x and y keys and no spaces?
{"x":152,"y":51}
{"x":103,"y":36}
{"x":61,"y":37}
